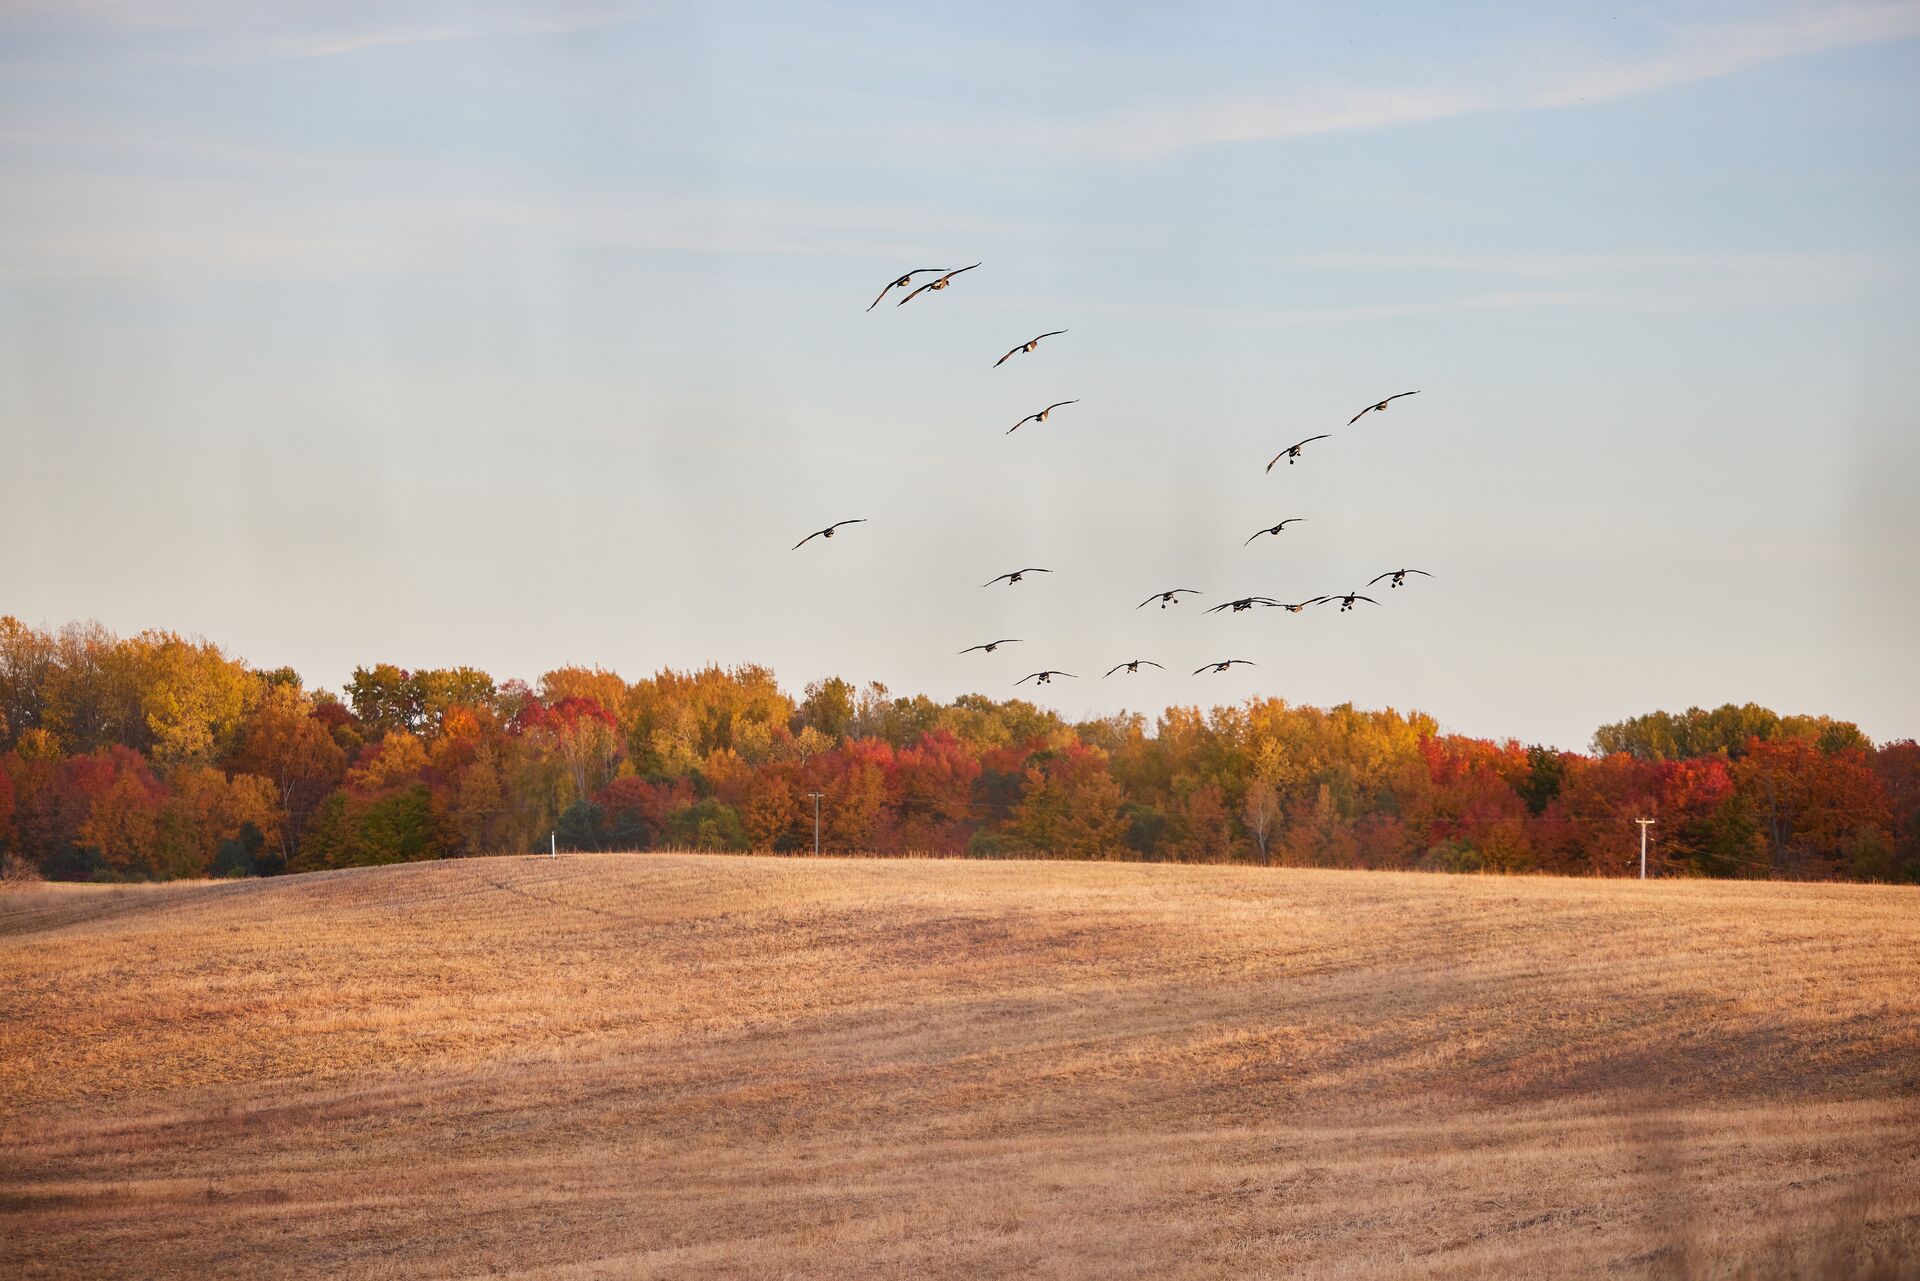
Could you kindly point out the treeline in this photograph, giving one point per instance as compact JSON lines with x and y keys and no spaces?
{"x":158,"y":756}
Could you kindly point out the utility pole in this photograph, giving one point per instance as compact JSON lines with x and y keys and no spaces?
{"x":816,"y":822}
{"x":1644,"y":823}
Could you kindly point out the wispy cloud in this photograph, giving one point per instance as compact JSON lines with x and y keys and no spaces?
{"x":229,"y":31}
{"x":1665,"y":283}
{"x":1536,"y":81}
{"x":1792,"y":273}
{"x":67,"y":225}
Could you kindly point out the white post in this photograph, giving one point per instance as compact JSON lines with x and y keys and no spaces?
{"x":553,"y":845}
{"x":1644,"y":823}
{"x":816,"y":822}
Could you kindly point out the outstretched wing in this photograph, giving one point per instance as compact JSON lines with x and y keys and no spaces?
{"x":1370,"y":600}
{"x":857,"y":520}
{"x":809,"y":538}
{"x":1389,"y":574}
{"x":1423,"y":573}
{"x":1003,"y":360}
{"x":950,"y":275}
{"x":1150,"y":663}
{"x":991,"y":581}
{"x":909,"y":298}
{"x":1056,"y":404}
{"x":1111,"y":670}
{"x":896,"y":282}
{"x":1290,"y":448}
{"x":1376,"y":404}
{"x":1022,"y":423}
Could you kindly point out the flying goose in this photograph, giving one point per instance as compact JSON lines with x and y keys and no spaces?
{"x":1132,"y":667}
{"x":1243,"y":604}
{"x":1224,"y":664}
{"x":1382,"y":406}
{"x":1039,"y":417}
{"x":936,"y":284}
{"x":1015,"y":576}
{"x":1028,"y":345}
{"x":1346,"y":600}
{"x":1169,"y":597}
{"x":1292,"y":452}
{"x":990,"y":646}
{"x":901,"y":283}
{"x":1294,"y":609}
{"x":1043,"y":678}
{"x":1399,"y":576}
{"x":827,"y":532}
{"x":1274,"y":529}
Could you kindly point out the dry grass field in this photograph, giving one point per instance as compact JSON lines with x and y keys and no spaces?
{"x":680,"y":1066}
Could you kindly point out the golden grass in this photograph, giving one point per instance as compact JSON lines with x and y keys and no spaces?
{"x":684,"y":1066}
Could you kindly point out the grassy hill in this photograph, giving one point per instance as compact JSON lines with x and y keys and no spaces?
{"x":683,"y":1066}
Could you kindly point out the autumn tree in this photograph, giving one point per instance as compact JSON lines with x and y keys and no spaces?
{"x":1070,"y":806}
{"x":582,"y":735}
{"x":853,"y":778}
{"x":1259,"y":813}
{"x":93,"y":691}
{"x":193,"y":696}
{"x":386,"y":700}
{"x":396,"y":759}
{"x":828,"y":707}
{"x":931,"y":786}
{"x":441,"y":690}
{"x":1813,"y":806}
{"x":26,"y":658}
{"x":1727,"y":730}
{"x":1898,"y":765}
{"x":284,"y":742}
{"x":8,"y":840}
{"x":204,"y":808}
{"x":678,"y":718}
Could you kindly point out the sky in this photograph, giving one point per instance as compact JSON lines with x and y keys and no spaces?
{"x":519,"y":335}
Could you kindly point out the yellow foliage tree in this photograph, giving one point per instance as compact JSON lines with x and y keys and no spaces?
{"x":194,"y":698}
{"x":398,"y":759}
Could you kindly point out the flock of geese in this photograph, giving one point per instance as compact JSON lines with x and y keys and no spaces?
{"x":943,"y":278}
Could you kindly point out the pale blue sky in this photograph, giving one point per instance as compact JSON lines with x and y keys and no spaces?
{"x":519,"y":335}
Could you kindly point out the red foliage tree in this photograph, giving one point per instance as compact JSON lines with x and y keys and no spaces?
{"x":1816,"y":810}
